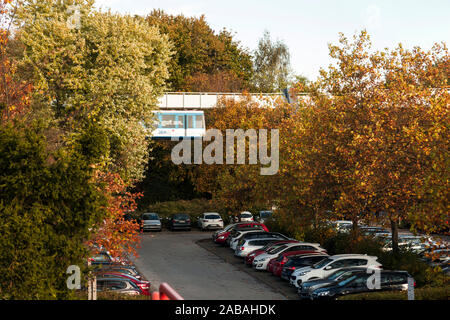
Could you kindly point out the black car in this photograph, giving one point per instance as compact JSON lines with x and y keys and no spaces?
{"x":180,"y":221}
{"x":358,"y":283}
{"x":300,"y":261}
{"x":307,"y":286}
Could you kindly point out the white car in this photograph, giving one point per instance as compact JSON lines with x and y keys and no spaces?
{"x":327,"y":266}
{"x":246,"y":216}
{"x":210,"y":220}
{"x":250,"y":245}
{"x":261,"y":261}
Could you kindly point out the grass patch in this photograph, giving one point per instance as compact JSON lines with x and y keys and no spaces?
{"x":437,"y":293}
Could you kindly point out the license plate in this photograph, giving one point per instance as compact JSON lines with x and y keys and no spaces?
{"x":182,"y":221}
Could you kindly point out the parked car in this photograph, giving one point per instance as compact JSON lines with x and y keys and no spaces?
{"x":118,"y":285}
{"x":242,"y":228}
{"x":222,"y":237}
{"x":180,"y":221}
{"x":246,"y":216}
{"x":255,"y":235}
{"x":252,"y":255}
{"x":264,"y":215}
{"x":342,"y":225}
{"x":249,"y":245}
{"x":357,"y":283}
{"x":127,"y":269}
{"x":144,"y":285}
{"x":227,"y":228}
{"x":210,"y":220}
{"x":261,"y":261}
{"x":373,"y":231}
{"x":102,"y":258}
{"x":305,"y":287}
{"x":435,"y":257}
{"x":235,"y":236}
{"x":406,"y":242}
{"x":327,"y":266}
{"x":151,"y":221}
{"x":302,"y":258}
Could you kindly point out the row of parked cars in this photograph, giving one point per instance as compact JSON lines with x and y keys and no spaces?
{"x":118,"y":275}
{"x":207,"y":221}
{"x":307,"y":266}
{"x":432,"y":251}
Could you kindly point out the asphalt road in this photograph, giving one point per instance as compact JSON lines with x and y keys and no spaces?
{"x":195,"y":272}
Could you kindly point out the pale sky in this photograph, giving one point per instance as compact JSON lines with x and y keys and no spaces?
{"x":307,"y":26}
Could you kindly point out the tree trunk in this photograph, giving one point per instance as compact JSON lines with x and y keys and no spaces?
{"x":354,"y":235}
{"x":394,"y":232}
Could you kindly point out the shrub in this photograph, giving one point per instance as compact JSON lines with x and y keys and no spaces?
{"x":427,"y":293}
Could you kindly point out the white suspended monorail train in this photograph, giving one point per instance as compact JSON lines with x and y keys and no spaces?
{"x":179,"y":124}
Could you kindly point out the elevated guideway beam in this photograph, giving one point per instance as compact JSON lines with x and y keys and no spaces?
{"x":208,"y":100}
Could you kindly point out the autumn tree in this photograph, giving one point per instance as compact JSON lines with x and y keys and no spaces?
{"x":14,"y":91}
{"x":202,"y":55}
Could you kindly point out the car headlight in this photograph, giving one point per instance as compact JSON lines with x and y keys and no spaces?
{"x":221,"y":237}
{"x":324,"y":293}
{"x":302,"y":273}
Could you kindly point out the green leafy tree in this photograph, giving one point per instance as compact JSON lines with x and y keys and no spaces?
{"x":272,"y":70}
{"x":106,"y":67}
{"x":48,"y":205}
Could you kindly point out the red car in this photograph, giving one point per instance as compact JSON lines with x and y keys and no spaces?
{"x":142,"y":284}
{"x":279,"y":262}
{"x":271,"y":264}
{"x":255,"y":253}
{"x":221,"y":238}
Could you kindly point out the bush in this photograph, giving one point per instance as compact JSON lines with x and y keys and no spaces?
{"x":428,"y":293}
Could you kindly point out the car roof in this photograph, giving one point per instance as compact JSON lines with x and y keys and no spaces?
{"x":113,"y":279}
{"x":211,"y":213}
{"x":351,"y":255}
{"x":303,"y":243}
{"x":257,"y":239}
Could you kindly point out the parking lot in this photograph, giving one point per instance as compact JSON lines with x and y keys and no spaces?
{"x":226,"y":254}
{"x":200,"y":270}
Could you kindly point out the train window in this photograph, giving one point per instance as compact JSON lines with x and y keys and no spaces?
{"x":167,"y":121}
{"x":199,"y":122}
{"x":190,"y":122}
{"x":180,"y":122}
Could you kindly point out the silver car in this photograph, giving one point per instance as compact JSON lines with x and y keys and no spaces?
{"x":151,"y":221}
{"x":250,"y":245}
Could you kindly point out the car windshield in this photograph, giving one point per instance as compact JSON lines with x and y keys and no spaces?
{"x":246,"y":215}
{"x":212,"y":216}
{"x":150,"y":216}
{"x":346,"y":280}
{"x":181,"y":216}
{"x":265,"y":214}
{"x":322,"y":263}
{"x":277,"y":249}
